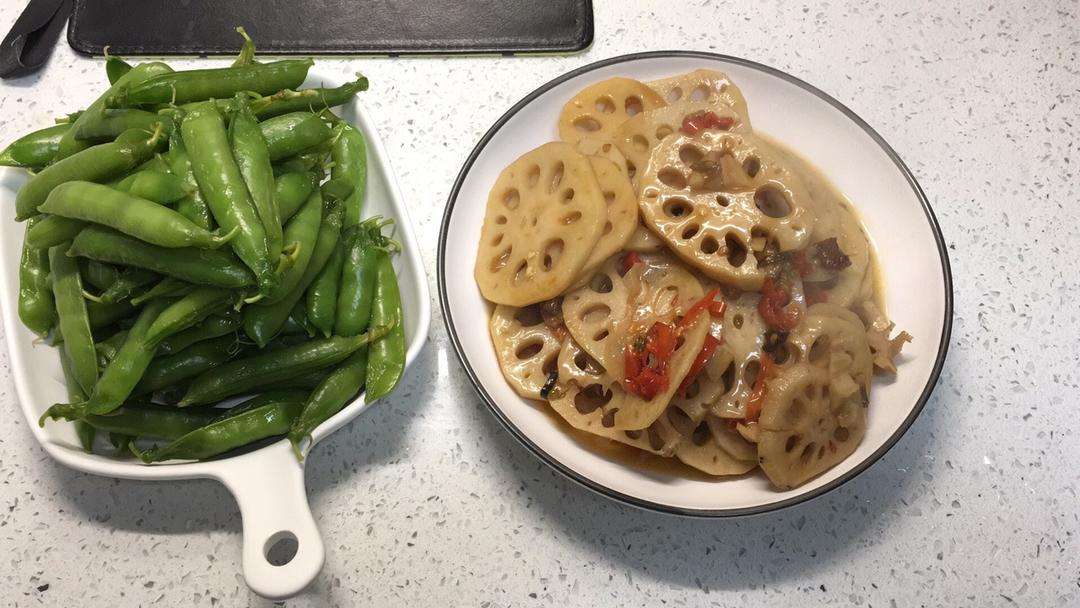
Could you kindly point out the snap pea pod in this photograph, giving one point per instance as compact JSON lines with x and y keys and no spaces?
{"x":222,"y":185}
{"x":126,"y":284}
{"x":155,"y":163}
{"x":103,"y":315}
{"x":68,"y":144}
{"x":302,"y":229}
{"x":306,"y":381}
{"x":262,"y":323}
{"x":106,"y":124}
{"x":213,"y":83}
{"x":83,"y":431}
{"x":192,"y":361}
{"x":269,"y":396}
{"x":107,"y":349}
{"x":311,"y":100}
{"x":156,"y":186}
{"x":349,"y":154}
{"x":386,"y":361}
{"x":322,"y":294}
{"x":34,"y":150}
{"x":329,"y":397}
{"x":291,"y":190}
{"x":192,"y":206}
{"x":150,"y":422}
{"x":253,"y":159}
{"x":120,"y":376}
{"x":95,"y":164}
{"x":358,"y":270}
{"x":98,"y":275}
{"x":298,"y":316}
{"x":293,"y":133}
{"x":201,"y":266}
{"x":149,"y":185}
{"x":311,"y":161}
{"x":74,"y":322}
{"x":230,"y":432}
{"x":189,"y":310}
{"x":36,"y":304}
{"x":165,"y":288}
{"x":250,"y":373}
{"x":138,"y":217}
{"x":214,"y":326}
{"x":115,"y":67}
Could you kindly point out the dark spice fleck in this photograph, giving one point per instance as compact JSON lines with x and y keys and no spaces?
{"x":828,"y":254}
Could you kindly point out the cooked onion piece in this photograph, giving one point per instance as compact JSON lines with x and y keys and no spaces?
{"x":807,"y":426}
{"x":599,"y":109}
{"x":544,"y":216}
{"x":712,"y":196}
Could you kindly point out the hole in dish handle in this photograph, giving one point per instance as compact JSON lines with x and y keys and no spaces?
{"x":283,"y":550}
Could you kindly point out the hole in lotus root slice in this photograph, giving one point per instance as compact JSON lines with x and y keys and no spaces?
{"x":587,"y":112}
{"x":724,"y":203}
{"x":678,"y":207}
{"x":672,"y":178}
{"x":638,"y":137}
{"x":710,"y":85}
{"x":828,"y":426}
{"x":751,"y":165}
{"x":690,"y":154}
{"x":557,"y":219}
{"x":526,"y":348}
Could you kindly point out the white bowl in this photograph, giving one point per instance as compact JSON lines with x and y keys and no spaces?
{"x":268,"y":482}
{"x":911,"y":250}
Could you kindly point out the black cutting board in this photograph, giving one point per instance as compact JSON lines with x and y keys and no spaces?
{"x":206,"y":27}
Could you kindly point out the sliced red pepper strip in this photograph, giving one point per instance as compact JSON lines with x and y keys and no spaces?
{"x":775,"y":307}
{"x":757,"y":395}
{"x":646,"y":364}
{"x":699,"y":307}
{"x":629,"y":260}
{"x":702,"y":358}
{"x":692,"y":125}
{"x":717,"y":309}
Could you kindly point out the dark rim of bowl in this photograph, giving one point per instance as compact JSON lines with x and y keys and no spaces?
{"x":599,"y":488}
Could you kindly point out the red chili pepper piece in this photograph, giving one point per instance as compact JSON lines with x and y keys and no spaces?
{"x":705,"y":303}
{"x":646,"y":361}
{"x":702,"y":358}
{"x":801,"y":264}
{"x":757,"y":395}
{"x":629,"y":260}
{"x":776,"y":308}
{"x":717,"y":309}
{"x":692,"y":125}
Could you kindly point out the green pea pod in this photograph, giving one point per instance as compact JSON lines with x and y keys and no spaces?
{"x":155,"y":186}
{"x":214,"y":326}
{"x":200,"y":266}
{"x":322,"y":295}
{"x":231,"y":432}
{"x":262,"y":322}
{"x":115,"y":68}
{"x":353,"y":311}
{"x":74,"y":322}
{"x":298,"y":316}
{"x":306,"y":381}
{"x":126,"y":284}
{"x":165,"y":288}
{"x":247,"y":374}
{"x":190,"y":362}
{"x":311,"y":100}
{"x":270,"y":396}
{"x":386,"y":361}
{"x":213,"y":83}
{"x":253,"y":158}
{"x":138,"y":217}
{"x":98,"y":275}
{"x":247,"y":51}
{"x":302,"y":229}
{"x":107,"y":348}
{"x":95,"y":164}
{"x":83,"y":431}
{"x":120,"y":376}
{"x":329,"y":397}
{"x":68,"y":144}
{"x":155,"y":163}
{"x":192,"y":206}
{"x":291,"y":190}
{"x":150,"y":422}
{"x":189,"y":310}
{"x":36,"y":304}
{"x":103,"y":315}
{"x":222,"y":185}
{"x":349,"y":154}
{"x":312,"y":161}
{"x":106,"y":124}
{"x":34,"y":150}
{"x":293,"y":133}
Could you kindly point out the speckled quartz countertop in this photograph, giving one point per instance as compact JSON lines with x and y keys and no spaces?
{"x":427,"y":501}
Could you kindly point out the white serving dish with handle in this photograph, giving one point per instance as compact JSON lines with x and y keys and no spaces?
{"x":268,"y":482}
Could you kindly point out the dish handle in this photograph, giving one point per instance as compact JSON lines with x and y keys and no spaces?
{"x":268,"y":485}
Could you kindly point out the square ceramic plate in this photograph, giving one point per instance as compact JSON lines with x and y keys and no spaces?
{"x":911,"y":252}
{"x":268,"y":482}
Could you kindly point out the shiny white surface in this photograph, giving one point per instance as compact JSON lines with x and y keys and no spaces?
{"x":428,"y":501}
